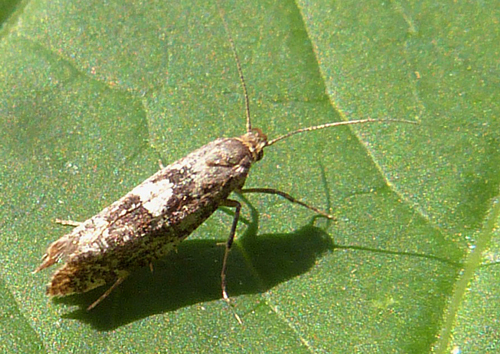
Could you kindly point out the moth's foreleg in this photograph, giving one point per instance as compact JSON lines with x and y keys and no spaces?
{"x":287,"y":197}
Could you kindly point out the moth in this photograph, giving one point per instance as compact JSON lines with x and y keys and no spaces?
{"x":154,"y":217}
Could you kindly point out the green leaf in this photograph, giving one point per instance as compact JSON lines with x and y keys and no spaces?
{"x":93,"y":94}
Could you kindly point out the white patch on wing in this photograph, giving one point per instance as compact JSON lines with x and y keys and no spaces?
{"x":154,"y":196}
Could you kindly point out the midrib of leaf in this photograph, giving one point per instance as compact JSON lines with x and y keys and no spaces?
{"x":471,"y":264}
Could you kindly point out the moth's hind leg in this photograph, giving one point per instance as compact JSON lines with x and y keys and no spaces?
{"x":105,"y":295}
{"x":68,"y":222}
{"x":287,"y":197}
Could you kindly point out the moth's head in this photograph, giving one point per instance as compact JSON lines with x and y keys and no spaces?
{"x":256,"y":141}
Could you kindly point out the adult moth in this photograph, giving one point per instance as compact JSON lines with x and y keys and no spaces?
{"x":150,"y":220}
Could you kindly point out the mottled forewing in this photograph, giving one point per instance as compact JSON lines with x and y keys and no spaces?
{"x":150,"y":220}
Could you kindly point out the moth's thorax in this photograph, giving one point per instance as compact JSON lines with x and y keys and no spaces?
{"x":255,"y":141}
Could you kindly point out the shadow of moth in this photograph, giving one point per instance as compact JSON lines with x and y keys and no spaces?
{"x":150,"y":220}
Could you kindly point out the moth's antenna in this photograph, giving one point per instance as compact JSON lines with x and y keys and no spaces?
{"x":238,"y":65}
{"x":336,"y":124}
